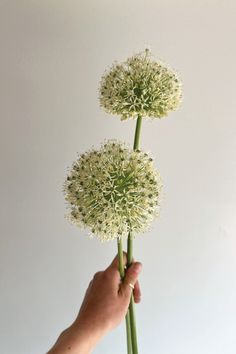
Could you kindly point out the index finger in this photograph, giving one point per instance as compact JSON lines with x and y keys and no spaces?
{"x":115,"y":263}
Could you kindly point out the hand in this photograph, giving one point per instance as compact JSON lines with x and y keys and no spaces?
{"x":104,"y":306}
{"x":107,"y":299}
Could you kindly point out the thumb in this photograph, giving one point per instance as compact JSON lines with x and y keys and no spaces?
{"x":130,"y":279}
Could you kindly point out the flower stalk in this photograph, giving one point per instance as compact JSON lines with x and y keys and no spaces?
{"x":122,"y":274}
{"x":137,"y":132}
{"x":131,"y":305}
{"x":130,"y":251}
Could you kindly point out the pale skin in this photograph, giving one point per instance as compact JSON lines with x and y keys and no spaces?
{"x":104,"y":307}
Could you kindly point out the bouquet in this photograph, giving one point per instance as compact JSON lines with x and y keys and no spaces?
{"x":114,"y":191}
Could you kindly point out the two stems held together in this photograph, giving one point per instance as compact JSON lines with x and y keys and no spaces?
{"x":132,"y":346}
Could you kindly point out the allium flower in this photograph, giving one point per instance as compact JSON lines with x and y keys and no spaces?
{"x":113,"y":190}
{"x":140,"y":86}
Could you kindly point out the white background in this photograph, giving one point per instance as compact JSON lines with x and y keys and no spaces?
{"x":53,"y":54}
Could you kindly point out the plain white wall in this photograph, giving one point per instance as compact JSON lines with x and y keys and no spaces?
{"x":53,"y":54}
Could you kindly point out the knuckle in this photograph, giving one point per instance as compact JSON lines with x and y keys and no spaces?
{"x":97,"y":275}
{"x":127,"y":283}
{"x":107,"y":274}
{"x":132,"y":273}
{"x":122,"y":292}
{"x":129,"y":277}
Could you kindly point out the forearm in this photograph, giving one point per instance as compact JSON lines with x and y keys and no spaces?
{"x":75,"y":340}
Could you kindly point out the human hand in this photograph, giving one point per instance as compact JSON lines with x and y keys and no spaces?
{"x":104,"y":306}
{"x":107,"y":299}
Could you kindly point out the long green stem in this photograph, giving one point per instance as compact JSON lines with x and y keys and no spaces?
{"x":122,"y":274}
{"x":131,"y":305}
{"x":133,"y":326}
{"x":137,"y":132}
{"x":130,"y":252}
{"x":128,"y":333}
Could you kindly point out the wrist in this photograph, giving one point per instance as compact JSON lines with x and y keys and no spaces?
{"x":87,"y":332}
{"x":76,"y":339}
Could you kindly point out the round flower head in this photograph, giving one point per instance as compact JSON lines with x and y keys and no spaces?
{"x":113,"y":190}
{"x":140,"y":86}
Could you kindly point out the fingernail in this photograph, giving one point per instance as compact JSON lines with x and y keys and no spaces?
{"x":137,"y":267}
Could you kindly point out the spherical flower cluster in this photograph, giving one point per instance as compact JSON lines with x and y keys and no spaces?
{"x":140,"y":86}
{"x":113,"y":190}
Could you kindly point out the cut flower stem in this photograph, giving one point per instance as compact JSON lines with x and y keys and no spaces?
{"x":122,"y":274}
{"x":130,"y":251}
{"x":131,"y":305}
{"x":137,"y":133}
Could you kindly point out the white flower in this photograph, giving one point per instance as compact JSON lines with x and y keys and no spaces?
{"x":113,"y":190}
{"x":140,"y":86}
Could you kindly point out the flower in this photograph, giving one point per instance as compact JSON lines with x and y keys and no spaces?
{"x":140,"y":86}
{"x":113,"y":190}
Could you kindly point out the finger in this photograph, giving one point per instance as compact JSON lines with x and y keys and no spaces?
{"x":137,"y":292}
{"x":112,"y":272}
{"x":88,"y":288}
{"x":130,"y":279}
{"x":115,"y":263}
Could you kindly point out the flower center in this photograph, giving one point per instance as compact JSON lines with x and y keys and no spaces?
{"x":121,"y":184}
{"x":138,"y":91}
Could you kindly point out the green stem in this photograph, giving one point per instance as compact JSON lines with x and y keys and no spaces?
{"x":129,"y":249}
{"x":122,"y":274}
{"x":120,"y":256}
{"x":128,"y":333}
{"x":130,"y":252}
{"x":131,"y":305}
{"x":133,"y":326}
{"x":137,"y":132}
